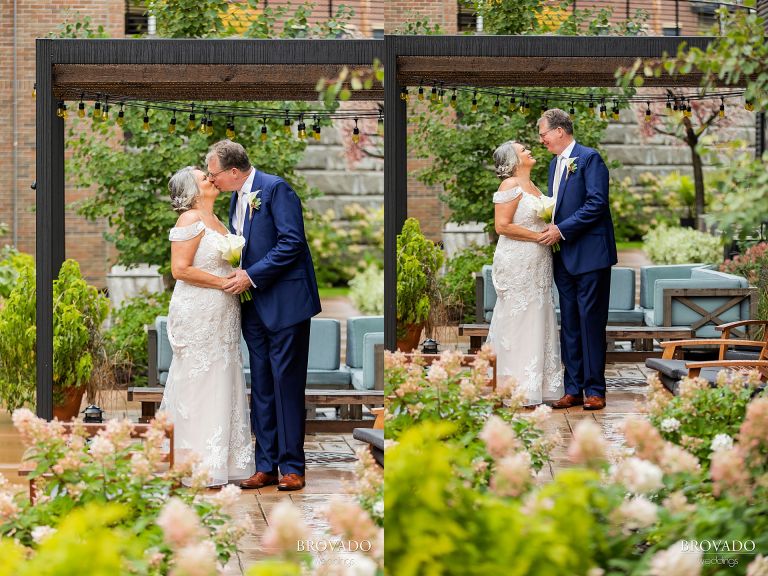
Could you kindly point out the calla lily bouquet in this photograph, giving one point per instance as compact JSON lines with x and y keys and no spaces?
{"x":545,"y":211}
{"x":231,"y":248}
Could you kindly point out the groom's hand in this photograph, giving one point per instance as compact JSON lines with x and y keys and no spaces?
{"x":551,"y":235}
{"x":237,"y":282}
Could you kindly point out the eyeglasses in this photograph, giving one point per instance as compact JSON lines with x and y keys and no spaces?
{"x":542,"y":134}
{"x":210,"y":175}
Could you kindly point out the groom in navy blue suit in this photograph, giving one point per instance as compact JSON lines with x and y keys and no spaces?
{"x":277,"y":270}
{"x":583,"y":229}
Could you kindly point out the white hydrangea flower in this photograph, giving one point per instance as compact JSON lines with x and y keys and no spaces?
{"x":670,"y":425}
{"x":721,"y":442}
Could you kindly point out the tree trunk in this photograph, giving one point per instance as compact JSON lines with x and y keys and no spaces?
{"x":698,"y":174}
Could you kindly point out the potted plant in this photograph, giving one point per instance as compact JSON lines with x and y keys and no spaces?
{"x":418,"y":260}
{"x":78,"y":312}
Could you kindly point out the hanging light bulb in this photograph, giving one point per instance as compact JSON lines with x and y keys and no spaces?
{"x":615,"y":111}
{"x":512,"y":104}
{"x":404,"y":96}
{"x":191,"y":123}
{"x":474,"y":102}
{"x":496,"y":106}
{"x":203,"y":123}
{"x":263,"y":136}
{"x":668,"y":105}
{"x":61,"y":109}
{"x":105,"y":110}
{"x":647,"y":112}
{"x":209,"y":126}
{"x":356,"y":133}
{"x":572,"y":110}
{"x":721,"y":112}
{"x":749,"y":106}
{"x":433,"y":95}
{"x":145,"y":125}
{"x":453,"y":99}
{"x":591,"y":105}
{"x":603,"y":110}
{"x":120,"y":115}
{"x":421,"y":92}
{"x":172,"y":124}
{"x":81,"y":108}
{"x":675,"y":107}
{"x":380,"y":125}
{"x":316,"y":129}
{"x":441,"y":94}
{"x":231,"y":128}
{"x":96,"y":115}
{"x":524,"y":106}
{"x":34,"y":91}
{"x":688,"y":112}
{"x":287,"y":124}
{"x":302,"y":128}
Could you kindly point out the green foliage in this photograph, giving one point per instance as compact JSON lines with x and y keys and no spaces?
{"x":457,"y":285}
{"x":78,"y":312}
{"x":692,"y":420}
{"x":741,"y":202}
{"x":510,"y":17}
{"x":126,"y":340}
{"x":418,"y":25}
{"x":188,"y":18}
{"x":88,"y":536}
{"x":76,"y":25}
{"x":668,"y":245}
{"x":367,"y":290}
{"x":338,"y":251}
{"x":753,"y":265}
{"x":435,"y":524}
{"x":269,"y":20}
{"x":11,"y":263}
{"x":418,"y":260}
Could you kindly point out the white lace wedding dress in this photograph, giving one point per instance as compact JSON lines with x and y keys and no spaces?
{"x":523,"y":329}
{"x":205,"y":392}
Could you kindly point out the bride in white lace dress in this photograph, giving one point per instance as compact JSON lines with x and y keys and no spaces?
{"x":205,"y":391}
{"x":523,"y":329}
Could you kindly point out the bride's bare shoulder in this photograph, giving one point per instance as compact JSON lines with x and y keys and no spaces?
{"x":508,"y":184}
{"x":187,"y":218}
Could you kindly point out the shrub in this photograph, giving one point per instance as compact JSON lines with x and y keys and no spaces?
{"x":126,"y":340}
{"x":457,"y":285}
{"x":367,"y":290}
{"x":665,"y":245}
{"x":11,"y":263}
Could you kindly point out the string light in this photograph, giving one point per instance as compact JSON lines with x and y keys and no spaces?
{"x":496,"y":106}
{"x":203,"y":123}
{"x":61,"y":110}
{"x":591,"y":105}
{"x":316,"y":129}
{"x":404,"y":95}
{"x":572,"y":110}
{"x":263,"y":136}
{"x":721,"y":112}
{"x":421,"y":92}
{"x":209,"y":125}
{"x":675,"y":107}
{"x":615,"y":111}
{"x":749,"y":106}
{"x":172,"y":124}
{"x":356,"y":133}
{"x":380,"y":125}
{"x":453,"y":99}
{"x":603,"y":110}
{"x":433,"y":95}
{"x":81,"y":108}
{"x":231,"y":128}
{"x":302,"y":128}
{"x":512,"y":104}
{"x":474,"y":102}
{"x":668,"y":104}
{"x":145,"y":125}
{"x":96,"y":115}
{"x":287,"y":124}
{"x":192,"y":120}
{"x":648,"y":112}
{"x":120,"y":115}
{"x":34,"y":91}
{"x":688,"y":110}
{"x":105,"y":110}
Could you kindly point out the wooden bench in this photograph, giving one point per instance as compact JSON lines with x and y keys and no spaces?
{"x":150,"y":398}
{"x":91,"y":429}
{"x":641,"y":336}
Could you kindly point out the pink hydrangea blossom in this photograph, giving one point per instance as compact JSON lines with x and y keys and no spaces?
{"x":588,"y":446}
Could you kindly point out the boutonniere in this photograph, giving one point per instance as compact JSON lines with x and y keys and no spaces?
{"x":254,"y":202}
{"x":571,"y":166}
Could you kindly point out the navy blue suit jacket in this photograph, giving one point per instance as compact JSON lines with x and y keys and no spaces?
{"x":583,"y":213}
{"x":276,"y":255}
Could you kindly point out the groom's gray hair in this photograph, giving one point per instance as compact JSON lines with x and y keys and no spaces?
{"x":557,"y":118}
{"x":506,"y":160}
{"x":183,"y":188}
{"x":230,"y":155}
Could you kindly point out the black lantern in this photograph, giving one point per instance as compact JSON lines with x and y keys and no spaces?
{"x":429,"y":346}
{"x":93,"y":413}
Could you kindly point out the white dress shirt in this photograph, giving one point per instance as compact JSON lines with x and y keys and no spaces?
{"x":241,"y":209}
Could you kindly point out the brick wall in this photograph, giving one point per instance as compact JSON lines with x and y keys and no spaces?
{"x":442,"y":12}
{"x":36,"y":19}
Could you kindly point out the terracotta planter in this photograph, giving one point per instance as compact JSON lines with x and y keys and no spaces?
{"x":411,"y":339}
{"x":70,"y":406}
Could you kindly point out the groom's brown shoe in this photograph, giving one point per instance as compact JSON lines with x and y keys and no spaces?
{"x":291,"y":482}
{"x":568,"y":401}
{"x":259,"y":480}
{"x":594,"y":403}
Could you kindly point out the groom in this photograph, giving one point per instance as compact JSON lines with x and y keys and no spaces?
{"x":582,"y":225}
{"x":276,"y":267}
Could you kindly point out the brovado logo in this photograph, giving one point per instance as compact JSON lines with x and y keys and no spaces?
{"x":333,"y":546}
{"x":718,"y":546}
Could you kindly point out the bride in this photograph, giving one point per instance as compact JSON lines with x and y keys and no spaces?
{"x":205,"y":391}
{"x":523,"y":330}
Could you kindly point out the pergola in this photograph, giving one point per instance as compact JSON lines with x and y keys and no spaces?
{"x":289,"y":70}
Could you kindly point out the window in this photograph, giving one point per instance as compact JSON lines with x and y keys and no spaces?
{"x":135,"y":18}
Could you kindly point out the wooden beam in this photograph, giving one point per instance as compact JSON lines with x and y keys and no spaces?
{"x":201,"y":81}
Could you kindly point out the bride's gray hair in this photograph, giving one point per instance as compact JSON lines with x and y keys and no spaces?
{"x":506,"y":160}
{"x":184,"y":189}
